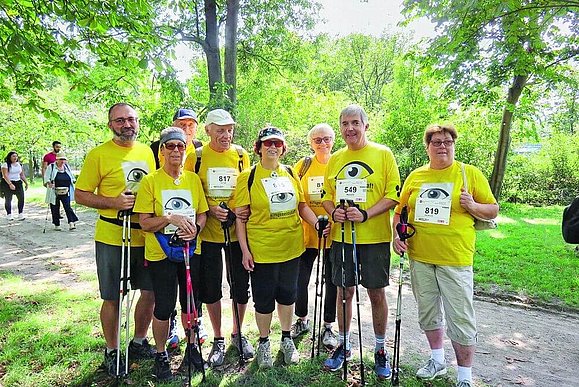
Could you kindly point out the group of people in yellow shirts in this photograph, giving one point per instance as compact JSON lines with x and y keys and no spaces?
{"x":204,"y":195}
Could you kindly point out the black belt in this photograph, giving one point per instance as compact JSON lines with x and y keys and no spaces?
{"x":119,"y":222}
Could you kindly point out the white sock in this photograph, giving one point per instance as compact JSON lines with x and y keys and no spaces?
{"x":379,"y":343}
{"x":464,"y":373}
{"x":341,"y":340}
{"x":438,"y":355}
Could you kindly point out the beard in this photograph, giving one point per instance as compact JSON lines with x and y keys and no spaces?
{"x":126,"y":134}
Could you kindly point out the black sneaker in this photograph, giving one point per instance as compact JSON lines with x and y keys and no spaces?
{"x":141,"y":351}
{"x":162,"y":368}
{"x":196,"y":360}
{"x":110,"y":364}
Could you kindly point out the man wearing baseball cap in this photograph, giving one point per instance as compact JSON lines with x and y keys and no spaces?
{"x":185,"y":119}
{"x":218,"y":164}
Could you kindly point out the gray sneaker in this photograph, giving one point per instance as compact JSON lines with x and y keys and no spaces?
{"x":217,"y":354}
{"x":431,"y":370}
{"x":246,"y":347}
{"x":300,"y":327}
{"x":464,"y":383}
{"x":263,"y":358}
{"x":290,"y":353}
{"x":329,"y":338}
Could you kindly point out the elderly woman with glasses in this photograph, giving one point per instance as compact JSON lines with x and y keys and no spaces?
{"x":443,"y":198}
{"x":170,"y":202}
{"x":272,"y":239}
{"x":311,"y":171}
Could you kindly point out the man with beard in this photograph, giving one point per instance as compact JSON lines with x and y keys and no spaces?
{"x":108,"y":181}
{"x":50,"y":157}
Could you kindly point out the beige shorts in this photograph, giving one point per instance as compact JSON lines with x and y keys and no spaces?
{"x":445,"y":291}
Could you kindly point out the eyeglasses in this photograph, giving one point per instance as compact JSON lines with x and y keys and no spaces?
{"x":171,"y":146}
{"x":276,"y":143}
{"x":122,"y":120}
{"x":327,"y":139}
{"x":438,"y":143}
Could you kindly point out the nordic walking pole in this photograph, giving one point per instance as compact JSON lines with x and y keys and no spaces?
{"x":191,"y":311}
{"x":229,"y":261}
{"x":46,"y":218}
{"x":124,"y":290}
{"x":345,"y":366}
{"x":405,"y":231}
{"x":356,"y":281}
{"x":321,"y":307}
{"x":320,"y":226}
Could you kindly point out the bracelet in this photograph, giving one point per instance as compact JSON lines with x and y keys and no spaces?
{"x":364,"y":214}
{"x":198,"y":229}
{"x":332,"y":215}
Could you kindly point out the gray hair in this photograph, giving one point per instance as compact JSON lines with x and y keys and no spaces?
{"x":354,"y":110}
{"x":320,"y":128}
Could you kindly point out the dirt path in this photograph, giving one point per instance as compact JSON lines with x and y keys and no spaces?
{"x":517,"y":345}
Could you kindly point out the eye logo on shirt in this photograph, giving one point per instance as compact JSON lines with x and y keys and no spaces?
{"x":134,"y":171}
{"x":355,"y":170}
{"x":177,"y":204}
{"x":282,"y":197}
{"x":434,"y":193}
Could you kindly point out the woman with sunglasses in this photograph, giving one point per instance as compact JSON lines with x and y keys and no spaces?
{"x":441,"y":252}
{"x":311,"y":171}
{"x":12,"y":179}
{"x":170,"y":201}
{"x":272,"y":239}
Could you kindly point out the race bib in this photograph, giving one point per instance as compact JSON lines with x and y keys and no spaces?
{"x":351,"y":189}
{"x":433,"y":203}
{"x":222,"y":178}
{"x":281,"y":194}
{"x":315,"y":186}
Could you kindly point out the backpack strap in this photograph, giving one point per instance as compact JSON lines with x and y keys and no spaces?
{"x":239,"y":150}
{"x":305,"y":166}
{"x":198,"y":151}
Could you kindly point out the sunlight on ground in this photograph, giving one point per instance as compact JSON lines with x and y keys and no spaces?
{"x":505,"y":220}
{"x":546,"y":222}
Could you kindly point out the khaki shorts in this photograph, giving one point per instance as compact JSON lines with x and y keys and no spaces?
{"x":445,"y":291}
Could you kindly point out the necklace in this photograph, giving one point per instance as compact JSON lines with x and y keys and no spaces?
{"x":273,"y":174}
{"x":177,"y":181}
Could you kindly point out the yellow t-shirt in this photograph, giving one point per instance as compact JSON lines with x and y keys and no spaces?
{"x":274,"y":229}
{"x":312,"y":184}
{"x":437,"y":243}
{"x":373,"y":168}
{"x":159,"y":194}
{"x":109,"y":170}
{"x":218,"y":173}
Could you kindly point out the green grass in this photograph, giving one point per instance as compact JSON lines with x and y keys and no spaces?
{"x":51,"y":337}
{"x":527,"y":257}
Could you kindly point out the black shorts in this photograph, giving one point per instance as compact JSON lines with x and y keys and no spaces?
{"x":373,"y":263}
{"x":274,"y":282}
{"x":212,"y":272}
{"x":165,"y":276}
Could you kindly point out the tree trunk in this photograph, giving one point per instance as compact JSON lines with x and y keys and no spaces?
{"x":211,"y":48}
{"x":500,"y":164}
{"x":231,"y":50}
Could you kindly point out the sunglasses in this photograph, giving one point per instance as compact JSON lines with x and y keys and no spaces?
{"x":171,"y":146}
{"x":276,"y":143}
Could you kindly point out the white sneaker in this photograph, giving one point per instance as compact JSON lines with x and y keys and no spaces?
{"x":290,"y":353}
{"x":71,"y":226}
{"x":10,"y":217}
{"x":329,"y":338}
{"x":263,"y":358}
{"x":57,"y":228}
{"x":431,"y":370}
{"x":21,"y":217}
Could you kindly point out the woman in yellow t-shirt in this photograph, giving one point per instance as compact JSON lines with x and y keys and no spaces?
{"x":272,"y":240}
{"x":441,"y":252}
{"x":311,"y":171}
{"x":170,"y":201}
